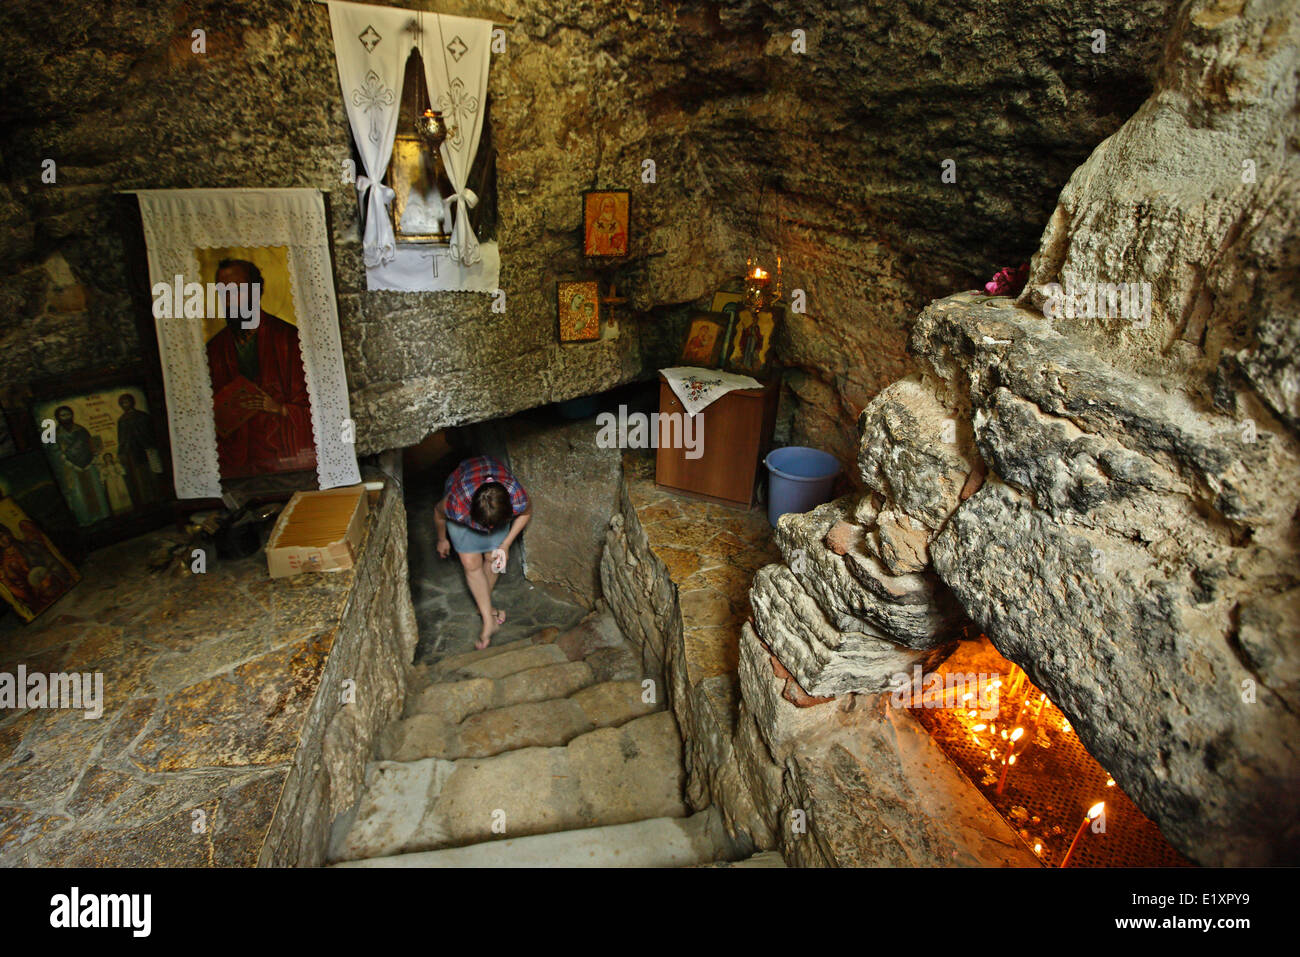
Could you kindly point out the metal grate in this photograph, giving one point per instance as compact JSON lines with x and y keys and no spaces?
{"x":1047,"y":791}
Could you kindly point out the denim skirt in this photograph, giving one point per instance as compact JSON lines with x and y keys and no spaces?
{"x":467,"y":540}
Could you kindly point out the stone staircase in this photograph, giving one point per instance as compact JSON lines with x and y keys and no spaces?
{"x":549,"y":751}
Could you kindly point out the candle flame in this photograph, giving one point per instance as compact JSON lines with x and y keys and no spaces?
{"x":1096,"y":810}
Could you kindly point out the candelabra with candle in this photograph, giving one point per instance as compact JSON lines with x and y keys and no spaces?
{"x":760,"y":291}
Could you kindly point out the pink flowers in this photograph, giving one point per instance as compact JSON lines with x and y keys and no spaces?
{"x":1008,"y":281}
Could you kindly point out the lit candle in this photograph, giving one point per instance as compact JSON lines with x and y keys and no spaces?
{"x":1017,"y":676}
{"x":1010,"y":759}
{"x":1038,"y":715}
{"x":1094,"y":812}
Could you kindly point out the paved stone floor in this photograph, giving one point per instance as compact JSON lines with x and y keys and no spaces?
{"x":712,"y":552}
{"x":448,"y":619}
{"x":202,"y":711}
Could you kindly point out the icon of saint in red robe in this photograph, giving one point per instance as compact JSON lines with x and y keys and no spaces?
{"x":263,"y":413}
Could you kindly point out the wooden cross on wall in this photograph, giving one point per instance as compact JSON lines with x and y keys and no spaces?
{"x":613,"y":299}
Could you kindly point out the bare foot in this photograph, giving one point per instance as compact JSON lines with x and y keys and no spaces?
{"x":485,"y":637}
{"x":499,"y":615}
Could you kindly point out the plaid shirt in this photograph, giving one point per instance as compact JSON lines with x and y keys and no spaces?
{"x":465,"y":481}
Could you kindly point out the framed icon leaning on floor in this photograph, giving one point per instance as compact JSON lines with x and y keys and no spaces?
{"x":33,"y":572}
{"x":106,"y":451}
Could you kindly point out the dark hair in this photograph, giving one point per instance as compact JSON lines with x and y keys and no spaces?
{"x":490,"y":506}
{"x":254,"y":274}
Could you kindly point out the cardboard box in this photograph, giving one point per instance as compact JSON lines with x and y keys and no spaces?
{"x":318,"y":532}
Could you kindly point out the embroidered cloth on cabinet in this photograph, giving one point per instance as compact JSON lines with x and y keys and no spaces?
{"x":700,"y":388}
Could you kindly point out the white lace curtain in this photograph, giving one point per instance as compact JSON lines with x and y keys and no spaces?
{"x":180,"y":222}
{"x":371,"y":47}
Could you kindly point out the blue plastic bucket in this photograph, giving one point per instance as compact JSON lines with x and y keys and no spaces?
{"x":799,"y":479}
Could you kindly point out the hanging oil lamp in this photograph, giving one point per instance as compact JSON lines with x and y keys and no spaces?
{"x":431,"y":128}
{"x":760,"y":291}
{"x":431,"y":131}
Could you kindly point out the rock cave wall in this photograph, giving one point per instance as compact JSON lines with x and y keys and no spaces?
{"x":850,"y":136}
{"x":843,"y":782}
{"x":1112,"y":502}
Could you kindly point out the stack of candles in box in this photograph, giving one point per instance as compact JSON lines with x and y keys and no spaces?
{"x":318,"y":519}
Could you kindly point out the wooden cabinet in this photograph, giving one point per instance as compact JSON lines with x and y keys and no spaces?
{"x":736,"y":432}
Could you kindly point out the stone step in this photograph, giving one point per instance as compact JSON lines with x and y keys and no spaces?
{"x":497,"y":662}
{"x":657,"y":842}
{"x":549,"y":723}
{"x":607,"y":776}
{"x":454,"y":701}
{"x":596,"y":639}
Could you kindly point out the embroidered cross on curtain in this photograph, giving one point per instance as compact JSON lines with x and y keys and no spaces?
{"x":371,"y":47}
